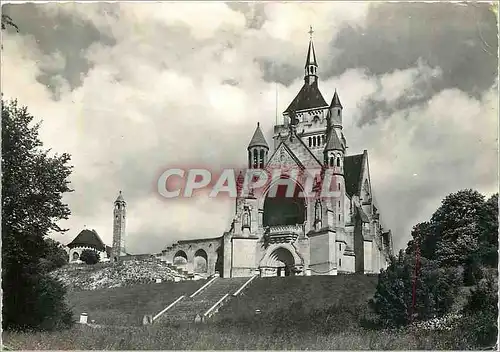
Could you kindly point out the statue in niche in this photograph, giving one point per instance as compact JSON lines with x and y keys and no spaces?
{"x":317,"y":215}
{"x":245,"y":222}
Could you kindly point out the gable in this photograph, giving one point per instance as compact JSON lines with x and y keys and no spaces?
{"x":284,"y":157}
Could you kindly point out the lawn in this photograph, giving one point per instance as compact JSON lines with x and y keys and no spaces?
{"x":213,"y":337}
{"x":128,"y":305}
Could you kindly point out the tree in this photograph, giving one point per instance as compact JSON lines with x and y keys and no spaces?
{"x":54,"y":256}
{"x":393,"y":300}
{"x":89,"y":256}
{"x":7,"y":21}
{"x":32,"y":188}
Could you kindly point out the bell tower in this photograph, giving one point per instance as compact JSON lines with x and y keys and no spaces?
{"x":119,"y":220}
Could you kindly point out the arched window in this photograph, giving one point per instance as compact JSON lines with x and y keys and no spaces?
{"x":323,"y":138}
{"x":249,"y":159}
{"x":255,"y":158}
{"x":338,"y":162}
{"x":340,"y":262}
{"x":318,"y":140}
{"x":338,"y":112}
{"x":262,"y":158}
{"x":310,"y":142}
{"x":331,"y":161}
{"x":76,"y":256}
{"x":314,"y":141}
{"x":339,"y":217}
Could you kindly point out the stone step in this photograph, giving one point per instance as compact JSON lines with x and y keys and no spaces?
{"x":187,"y":309}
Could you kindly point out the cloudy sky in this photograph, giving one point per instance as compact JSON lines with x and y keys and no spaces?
{"x":131,"y":89}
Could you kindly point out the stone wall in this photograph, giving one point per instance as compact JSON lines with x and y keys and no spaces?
{"x":200,"y":255}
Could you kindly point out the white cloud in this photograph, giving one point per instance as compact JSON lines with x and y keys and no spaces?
{"x":157,"y":98}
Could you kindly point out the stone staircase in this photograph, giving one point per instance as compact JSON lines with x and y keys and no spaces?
{"x":188,"y":308}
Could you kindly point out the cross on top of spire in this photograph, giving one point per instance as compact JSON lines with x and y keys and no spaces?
{"x":310,"y":32}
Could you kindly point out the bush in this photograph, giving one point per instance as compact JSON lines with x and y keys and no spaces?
{"x":393,"y":300}
{"x":39,"y":305}
{"x":480,"y":325}
{"x":90,"y":257}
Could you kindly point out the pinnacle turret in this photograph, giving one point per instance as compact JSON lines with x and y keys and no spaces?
{"x":258,"y":139}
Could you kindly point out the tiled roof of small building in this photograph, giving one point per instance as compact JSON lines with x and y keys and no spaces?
{"x":309,"y":97}
{"x":353,"y":165}
{"x":88,"y":238}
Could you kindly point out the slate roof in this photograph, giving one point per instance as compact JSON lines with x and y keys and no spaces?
{"x":311,"y":55}
{"x":333,"y":142}
{"x":309,"y":97}
{"x":336,"y":100}
{"x":88,"y":238}
{"x":258,"y":139}
{"x":353,"y":165}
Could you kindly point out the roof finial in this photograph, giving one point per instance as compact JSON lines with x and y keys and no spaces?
{"x":311,"y":32}
{"x":258,"y":124}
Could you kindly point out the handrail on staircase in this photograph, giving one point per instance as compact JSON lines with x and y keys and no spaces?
{"x":168,"y":307}
{"x":244,"y":285}
{"x":203,"y":287}
{"x":216,"y":305}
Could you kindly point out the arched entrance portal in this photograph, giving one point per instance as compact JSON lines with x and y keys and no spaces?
{"x":280,"y":263}
{"x":282,"y":210}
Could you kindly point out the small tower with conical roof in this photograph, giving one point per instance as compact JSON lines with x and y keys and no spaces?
{"x":258,"y":150}
{"x":311,"y":66}
{"x":119,"y":220}
{"x":335,"y":112}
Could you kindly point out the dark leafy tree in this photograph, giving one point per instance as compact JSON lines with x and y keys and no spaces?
{"x":393,"y":300}
{"x":89,"y":256}
{"x":54,"y":256}
{"x":33,"y":184}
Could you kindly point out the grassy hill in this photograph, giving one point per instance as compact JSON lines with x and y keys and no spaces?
{"x":270,"y":295}
{"x":126,"y":306}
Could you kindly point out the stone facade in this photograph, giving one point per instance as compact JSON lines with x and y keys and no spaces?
{"x":280,"y":236}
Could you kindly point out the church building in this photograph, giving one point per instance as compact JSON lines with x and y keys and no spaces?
{"x":281,"y":236}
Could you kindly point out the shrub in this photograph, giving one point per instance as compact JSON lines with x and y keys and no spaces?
{"x":480,"y":325}
{"x":40,"y":305}
{"x":90,"y":257}
{"x":393,"y":300}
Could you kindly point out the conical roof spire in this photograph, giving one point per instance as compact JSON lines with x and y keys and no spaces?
{"x":311,"y":54}
{"x":336,"y":101}
{"x":333,"y":142}
{"x":120,"y":199}
{"x":258,"y":139}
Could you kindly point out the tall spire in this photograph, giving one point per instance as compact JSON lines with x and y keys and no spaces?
{"x":311,"y":66}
